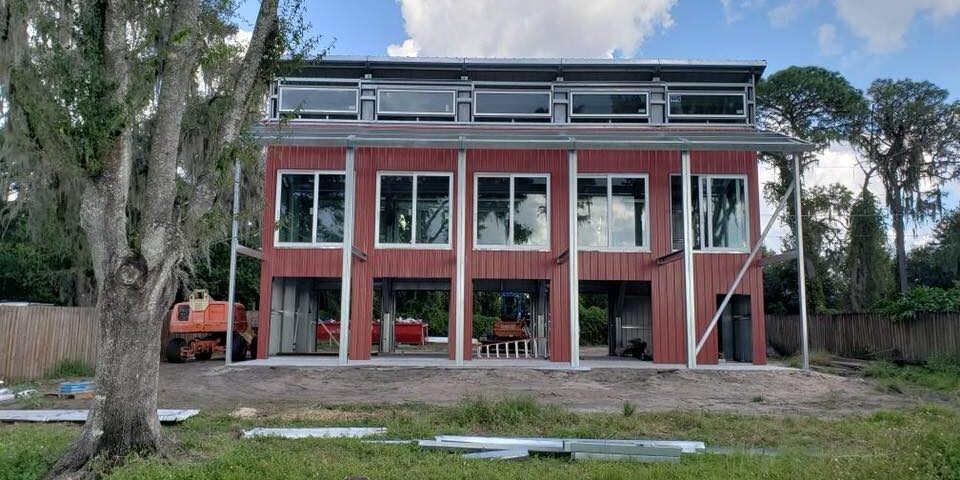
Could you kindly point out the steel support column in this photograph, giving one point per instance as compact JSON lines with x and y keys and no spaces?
{"x":689,"y":313}
{"x":346,"y":269}
{"x":232,"y":288}
{"x":572,"y":262}
{"x":461,"y":252}
{"x":801,"y":267}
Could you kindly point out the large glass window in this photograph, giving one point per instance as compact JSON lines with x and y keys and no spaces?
{"x":414,"y":209}
{"x":318,"y":99}
{"x":512,"y":211}
{"x":611,"y":211}
{"x":603,"y":104}
{"x":512,"y":104}
{"x":719,"y":212}
{"x":416,"y":102}
{"x":707,"y":105}
{"x":309,"y":208}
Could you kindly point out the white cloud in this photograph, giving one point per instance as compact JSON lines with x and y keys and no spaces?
{"x":883,"y":24}
{"x":827,"y":40}
{"x":785,"y":13}
{"x":733,"y":9}
{"x":409,"y":48}
{"x":529,"y":28}
{"x":241,"y":38}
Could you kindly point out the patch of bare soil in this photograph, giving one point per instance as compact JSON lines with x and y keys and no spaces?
{"x":311,"y":392}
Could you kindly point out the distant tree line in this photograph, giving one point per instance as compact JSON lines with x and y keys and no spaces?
{"x":906,"y":135}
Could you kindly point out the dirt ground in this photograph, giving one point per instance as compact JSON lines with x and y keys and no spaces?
{"x":208,"y":385}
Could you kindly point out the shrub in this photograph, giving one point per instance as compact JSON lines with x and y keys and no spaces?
{"x":923,"y":299}
{"x":482,"y":325}
{"x":593,"y":325}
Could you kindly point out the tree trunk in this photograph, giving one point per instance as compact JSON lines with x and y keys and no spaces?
{"x":899,"y":242}
{"x":123,"y":414}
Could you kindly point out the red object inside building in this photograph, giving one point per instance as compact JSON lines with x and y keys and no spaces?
{"x":413,"y":333}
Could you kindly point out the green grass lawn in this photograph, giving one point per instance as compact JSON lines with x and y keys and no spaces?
{"x":923,"y":442}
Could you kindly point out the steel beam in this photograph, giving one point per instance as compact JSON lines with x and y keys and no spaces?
{"x":461,"y":269}
{"x":689,"y":311}
{"x":347,"y":267}
{"x":573,"y":260}
{"x":744,"y":267}
{"x":801,"y":273}
{"x":232,"y":287}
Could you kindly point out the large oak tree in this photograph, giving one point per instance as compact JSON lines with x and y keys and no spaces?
{"x":139,"y":108}
{"x":911,"y":140}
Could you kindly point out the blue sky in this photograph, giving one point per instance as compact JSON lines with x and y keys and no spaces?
{"x":929,"y":48}
{"x":862,"y":39}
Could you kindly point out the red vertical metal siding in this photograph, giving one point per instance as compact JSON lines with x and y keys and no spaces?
{"x":391,"y":262}
{"x":540,"y":265}
{"x":713,"y":271}
{"x":291,"y":262}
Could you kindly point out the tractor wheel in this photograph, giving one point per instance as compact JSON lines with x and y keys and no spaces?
{"x":203,"y":356}
{"x":173,"y":350}
{"x":253,"y":348}
{"x":239,"y":349}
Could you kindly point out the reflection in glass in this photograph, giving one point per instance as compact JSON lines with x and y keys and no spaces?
{"x":493,"y":210}
{"x":433,"y":209}
{"x":592,"y":212}
{"x":530,"y":211}
{"x":396,"y":208}
{"x":330,"y":195}
{"x":626,"y":211}
{"x":295,"y":222}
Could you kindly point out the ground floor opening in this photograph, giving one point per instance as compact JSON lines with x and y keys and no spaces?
{"x":510,"y":319}
{"x":615,"y":320}
{"x":411,"y":317}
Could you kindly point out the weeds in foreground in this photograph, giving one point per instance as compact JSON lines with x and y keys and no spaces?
{"x":939,"y":373}
{"x":70,"y":369}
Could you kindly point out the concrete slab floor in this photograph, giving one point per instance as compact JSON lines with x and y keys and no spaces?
{"x":491,"y":363}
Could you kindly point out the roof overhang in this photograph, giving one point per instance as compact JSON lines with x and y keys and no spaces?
{"x":473,"y":136}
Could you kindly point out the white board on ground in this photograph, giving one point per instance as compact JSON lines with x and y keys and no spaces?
{"x":165,"y":416}
{"x":514,"y":454}
{"x":332,"y":432}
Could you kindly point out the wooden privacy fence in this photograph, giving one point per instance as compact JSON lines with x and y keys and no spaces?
{"x":869,"y":335}
{"x":35,"y":339}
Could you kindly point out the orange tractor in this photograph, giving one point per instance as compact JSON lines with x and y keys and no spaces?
{"x":208,"y":319}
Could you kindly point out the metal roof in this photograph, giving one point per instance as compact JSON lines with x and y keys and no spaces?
{"x":329,"y":133}
{"x":558,"y":62}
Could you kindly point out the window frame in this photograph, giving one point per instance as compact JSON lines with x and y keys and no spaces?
{"x":393,"y":113}
{"x":413,"y":232}
{"x":356,"y":101}
{"x":706,"y":227}
{"x":645,"y":216}
{"x":316,"y":186}
{"x":742,"y":95}
{"x":646,"y":95}
{"x":548,"y":93}
{"x":510,"y":246}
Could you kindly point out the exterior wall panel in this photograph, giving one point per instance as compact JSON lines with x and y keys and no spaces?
{"x":713,"y":271}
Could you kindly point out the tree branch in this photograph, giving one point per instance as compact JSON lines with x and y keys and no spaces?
{"x":177,"y":67}
{"x":262,"y":40}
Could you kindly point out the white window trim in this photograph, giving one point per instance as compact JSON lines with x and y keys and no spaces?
{"x":413,"y":245}
{"x":356,"y":101}
{"x":453,"y":101}
{"x":704,"y":179}
{"x":548,"y":93}
{"x":742,"y":95}
{"x":644,"y":216}
{"x":313,"y":233}
{"x":509,"y":245}
{"x":646,"y":97}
